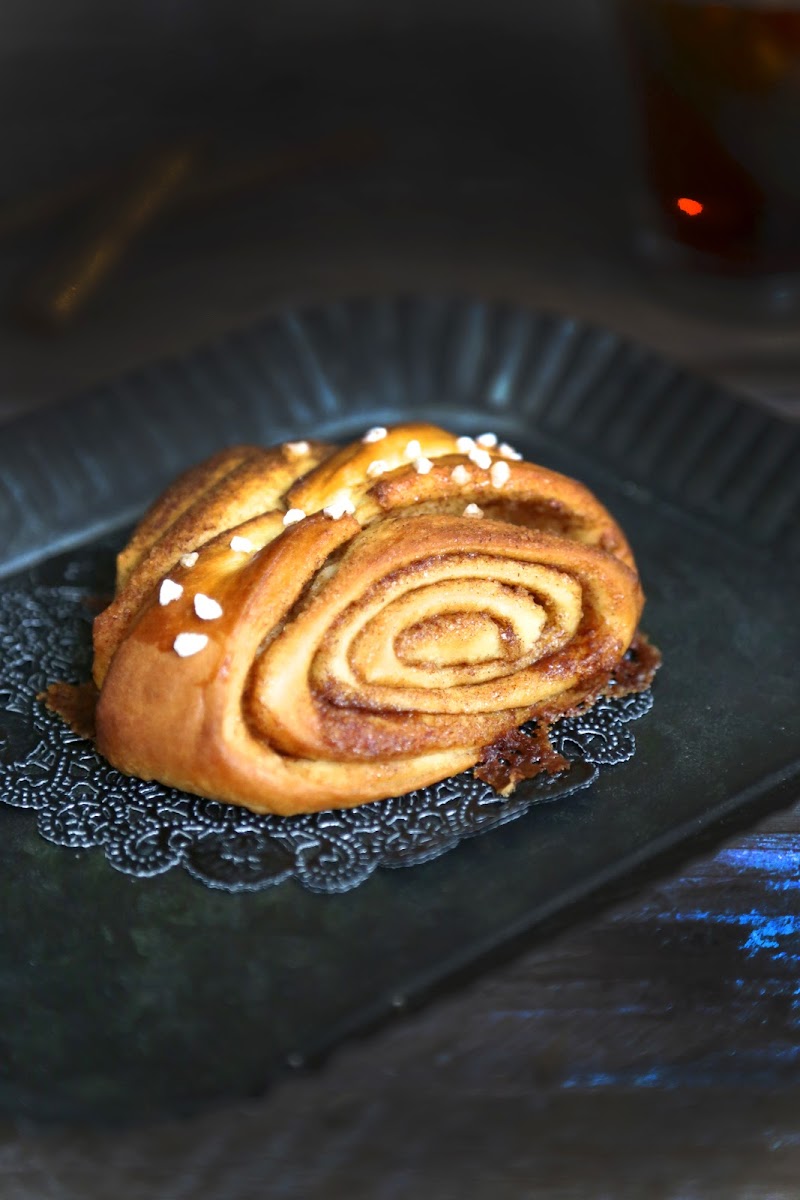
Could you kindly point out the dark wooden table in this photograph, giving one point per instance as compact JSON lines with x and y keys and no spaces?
{"x":653,"y":1049}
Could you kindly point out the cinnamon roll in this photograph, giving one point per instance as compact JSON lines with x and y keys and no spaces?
{"x":309,"y":627}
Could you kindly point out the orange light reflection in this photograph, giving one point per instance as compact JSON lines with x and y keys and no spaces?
{"x":692,"y":208}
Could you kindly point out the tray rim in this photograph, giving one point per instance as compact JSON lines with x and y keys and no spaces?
{"x":69,"y":467}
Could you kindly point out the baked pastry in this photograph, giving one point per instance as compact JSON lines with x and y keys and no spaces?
{"x":309,"y":627}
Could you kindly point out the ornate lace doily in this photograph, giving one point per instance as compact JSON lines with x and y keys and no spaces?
{"x":145,"y":829}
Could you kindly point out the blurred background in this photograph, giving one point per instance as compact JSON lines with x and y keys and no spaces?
{"x":175,"y":169}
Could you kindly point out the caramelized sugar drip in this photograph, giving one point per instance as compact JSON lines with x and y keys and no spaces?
{"x":75,"y":704}
{"x":637,"y":668}
{"x":516,"y":756}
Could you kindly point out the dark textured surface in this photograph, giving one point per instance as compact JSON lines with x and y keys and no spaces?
{"x":159,"y":993}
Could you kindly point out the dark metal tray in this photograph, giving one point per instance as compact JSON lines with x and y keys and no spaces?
{"x":121,"y":996}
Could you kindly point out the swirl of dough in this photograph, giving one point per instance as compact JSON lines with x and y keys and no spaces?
{"x":299,"y":628}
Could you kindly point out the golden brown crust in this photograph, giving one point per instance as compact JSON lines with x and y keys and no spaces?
{"x":219,"y":495}
{"x":363,"y":653}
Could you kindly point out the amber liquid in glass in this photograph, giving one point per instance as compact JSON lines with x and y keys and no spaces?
{"x":719,"y":91}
